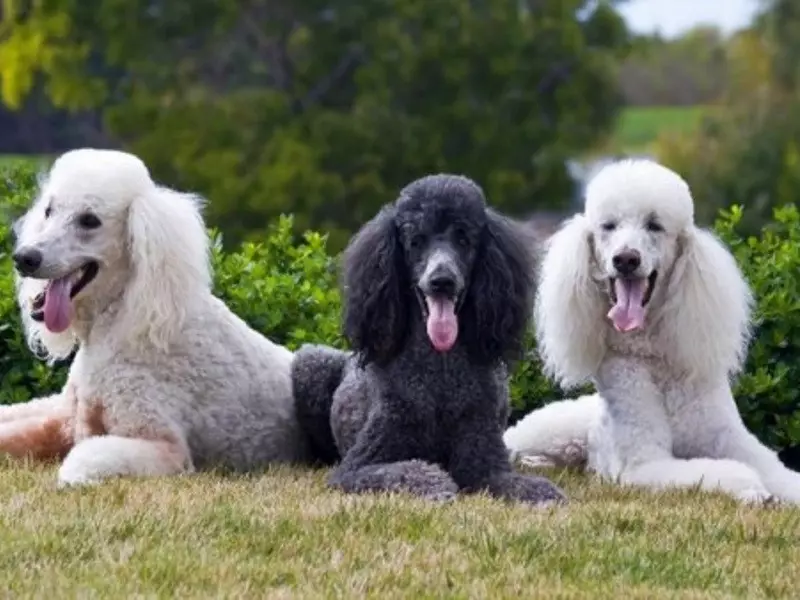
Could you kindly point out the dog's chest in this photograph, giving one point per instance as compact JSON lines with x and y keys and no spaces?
{"x":638,"y":344}
{"x":89,"y":416}
{"x":679,"y":402}
{"x":88,"y":407}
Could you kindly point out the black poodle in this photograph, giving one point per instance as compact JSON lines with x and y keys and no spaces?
{"x":438,"y":292}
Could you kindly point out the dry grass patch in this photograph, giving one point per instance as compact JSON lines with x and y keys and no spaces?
{"x":282,"y":534}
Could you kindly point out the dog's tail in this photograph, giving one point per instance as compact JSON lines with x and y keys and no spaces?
{"x":556,"y":435}
{"x":316,"y":373}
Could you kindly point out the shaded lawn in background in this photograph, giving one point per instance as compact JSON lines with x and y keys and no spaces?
{"x":283,"y":534}
{"x":639,"y":127}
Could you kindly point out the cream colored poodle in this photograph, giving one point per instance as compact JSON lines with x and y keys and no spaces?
{"x":637,"y":299}
{"x":166,"y":379}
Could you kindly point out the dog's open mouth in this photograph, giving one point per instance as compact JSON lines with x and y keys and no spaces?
{"x":441,"y":319}
{"x":630,"y":297}
{"x":54,"y":304}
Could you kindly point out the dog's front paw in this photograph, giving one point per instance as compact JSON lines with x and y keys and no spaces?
{"x":529,"y":489}
{"x":417,"y":477}
{"x":757,"y":496}
{"x":426,"y":480}
{"x":71,"y":476}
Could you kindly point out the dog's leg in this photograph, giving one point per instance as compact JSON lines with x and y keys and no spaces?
{"x":479,"y":462}
{"x":45,"y":437}
{"x":40,"y":429}
{"x":381,"y":460}
{"x":728,"y":476}
{"x":36,"y":408}
{"x":124,"y":441}
{"x":778,"y":479}
{"x":724,"y":435}
{"x":633,"y":442}
{"x":555,"y":435}
{"x":101,"y":457}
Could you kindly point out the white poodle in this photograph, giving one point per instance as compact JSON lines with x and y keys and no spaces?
{"x":166,"y":379}
{"x":655,"y":312}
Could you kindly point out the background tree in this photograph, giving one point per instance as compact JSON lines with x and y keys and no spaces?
{"x":325,"y":108}
{"x":689,"y":70}
{"x":748,"y":151}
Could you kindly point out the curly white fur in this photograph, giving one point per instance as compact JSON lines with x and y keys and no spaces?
{"x":664,"y":415}
{"x":166,"y":379}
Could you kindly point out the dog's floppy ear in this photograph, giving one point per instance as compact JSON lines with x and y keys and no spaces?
{"x":498,"y":304}
{"x":570,"y":309}
{"x":168,"y":249}
{"x":706,"y":316}
{"x":376,"y":290}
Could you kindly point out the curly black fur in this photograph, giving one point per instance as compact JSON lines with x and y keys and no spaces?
{"x":500,"y":301}
{"x":405,"y":415}
{"x":376,"y":289}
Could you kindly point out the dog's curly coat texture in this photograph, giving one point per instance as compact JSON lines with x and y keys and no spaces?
{"x":166,"y":379}
{"x":660,"y":359}
{"x":438,"y":293}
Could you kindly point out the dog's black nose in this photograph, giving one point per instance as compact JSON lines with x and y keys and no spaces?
{"x":443,"y":284}
{"x":627,"y":261}
{"x":28,"y":260}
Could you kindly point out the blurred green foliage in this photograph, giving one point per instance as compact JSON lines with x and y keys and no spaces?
{"x":747,"y":152}
{"x":325,"y":109}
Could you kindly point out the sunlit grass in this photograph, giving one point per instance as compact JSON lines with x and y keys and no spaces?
{"x":284,"y":534}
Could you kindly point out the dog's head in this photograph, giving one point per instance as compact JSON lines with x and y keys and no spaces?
{"x":440,"y":229}
{"x":635,"y":260}
{"x":637,"y":213}
{"x":438,"y":254}
{"x":101,"y":232}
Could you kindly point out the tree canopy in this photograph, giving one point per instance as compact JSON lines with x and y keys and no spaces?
{"x":325,"y":108}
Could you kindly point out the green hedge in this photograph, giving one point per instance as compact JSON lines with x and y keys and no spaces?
{"x":288,"y":290}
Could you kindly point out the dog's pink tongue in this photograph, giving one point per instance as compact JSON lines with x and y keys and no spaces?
{"x":57,"y":305}
{"x":628,"y":313}
{"x":442,"y":323}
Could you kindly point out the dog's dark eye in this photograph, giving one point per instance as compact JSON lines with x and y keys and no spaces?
{"x":654,"y":226}
{"x":48,"y":211}
{"x":609,"y":226}
{"x":461,"y":237}
{"x":89,"y":221}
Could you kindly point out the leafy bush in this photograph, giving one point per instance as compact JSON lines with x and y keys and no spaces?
{"x":22,"y":374}
{"x":288,"y":290}
{"x":768,"y":392}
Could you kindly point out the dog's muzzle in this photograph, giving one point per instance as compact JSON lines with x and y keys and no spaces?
{"x":440,"y":292}
{"x":27,"y":261}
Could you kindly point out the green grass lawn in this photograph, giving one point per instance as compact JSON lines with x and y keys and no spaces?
{"x":638,"y":127}
{"x":284,"y":535}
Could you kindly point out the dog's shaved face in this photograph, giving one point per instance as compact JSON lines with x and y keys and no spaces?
{"x":637,"y":211}
{"x":441,"y":219}
{"x":75,"y":229}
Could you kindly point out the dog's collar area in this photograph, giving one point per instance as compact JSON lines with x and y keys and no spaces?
{"x":648,"y":294}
